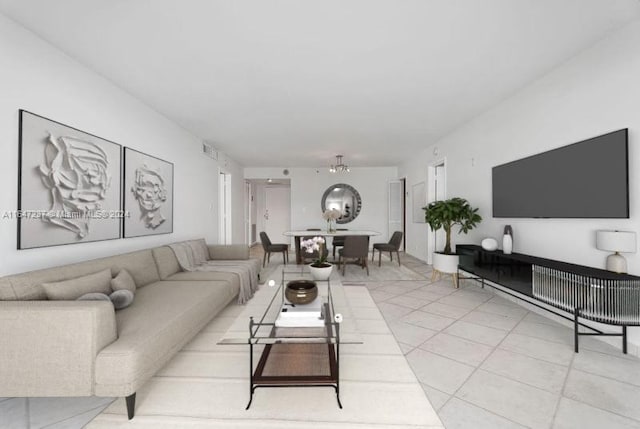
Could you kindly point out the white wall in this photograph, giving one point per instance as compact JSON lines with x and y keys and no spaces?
{"x":37,"y":77}
{"x":308,"y":186}
{"x":594,"y":93}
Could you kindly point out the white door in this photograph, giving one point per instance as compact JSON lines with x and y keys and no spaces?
{"x":224,"y":204}
{"x":277,"y":213}
{"x":437,"y":185}
{"x":396,"y":213}
{"x":248,"y":202}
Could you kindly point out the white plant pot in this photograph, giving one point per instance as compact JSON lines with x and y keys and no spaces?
{"x":320,"y":273}
{"x":445,"y":263}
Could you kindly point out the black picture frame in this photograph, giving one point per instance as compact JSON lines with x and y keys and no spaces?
{"x":69,"y":184}
{"x":143,"y":170}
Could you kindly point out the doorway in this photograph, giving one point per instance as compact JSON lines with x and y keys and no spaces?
{"x":437,"y":190}
{"x":277,"y":212}
{"x":269,"y":206}
{"x":396,"y":208}
{"x":403,"y":185}
{"x":224,"y":204}
{"x":249,"y":215}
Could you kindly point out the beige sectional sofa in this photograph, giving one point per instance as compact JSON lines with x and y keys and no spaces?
{"x":85,"y":348}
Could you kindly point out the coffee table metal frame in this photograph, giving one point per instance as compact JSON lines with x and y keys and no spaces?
{"x":304,"y":335}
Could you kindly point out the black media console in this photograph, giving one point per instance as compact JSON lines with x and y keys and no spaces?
{"x":586,"y":292}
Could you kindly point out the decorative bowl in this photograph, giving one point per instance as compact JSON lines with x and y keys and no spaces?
{"x":301,"y":291}
{"x":490,"y":244}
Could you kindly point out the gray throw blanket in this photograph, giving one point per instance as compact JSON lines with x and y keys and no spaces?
{"x":245,"y":271}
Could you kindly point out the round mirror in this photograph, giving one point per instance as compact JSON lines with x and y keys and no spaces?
{"x":344,"y":198}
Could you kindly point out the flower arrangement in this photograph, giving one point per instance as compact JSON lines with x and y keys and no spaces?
{"x":315,"y":244}
{"x":331,"y":215}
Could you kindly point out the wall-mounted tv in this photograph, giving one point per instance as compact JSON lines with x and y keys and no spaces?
{"x":589,"y":179}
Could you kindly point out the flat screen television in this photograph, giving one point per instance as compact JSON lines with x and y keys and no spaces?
{"x":588,"y":179}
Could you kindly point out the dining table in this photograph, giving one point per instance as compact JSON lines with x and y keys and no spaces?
{"x":297,"y":234}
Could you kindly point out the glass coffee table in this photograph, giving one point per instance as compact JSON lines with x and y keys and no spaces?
{"x":297,"y":351}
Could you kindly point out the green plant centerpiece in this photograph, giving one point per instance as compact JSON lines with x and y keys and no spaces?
{"x":446,"y":214}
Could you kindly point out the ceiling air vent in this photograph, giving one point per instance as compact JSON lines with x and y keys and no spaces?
{"x":208,"y":150}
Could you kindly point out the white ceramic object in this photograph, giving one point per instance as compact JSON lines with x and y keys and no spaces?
{"x":507,"y":244}
{"x":446,"y":263}
{"x":617,"y":263}
{"x":490,"y":244}
{"x":320,"y":273}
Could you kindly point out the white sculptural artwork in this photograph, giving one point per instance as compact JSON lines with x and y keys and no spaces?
{"x":75,"y":173}
{"x":150,"y":191}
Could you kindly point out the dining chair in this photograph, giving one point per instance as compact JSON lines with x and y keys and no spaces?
{"x":269,"y":247}
{"x":314,"y":254}
{"x":355,"y":247}
{"x":338,"y":241}
{"x":392,"y":246}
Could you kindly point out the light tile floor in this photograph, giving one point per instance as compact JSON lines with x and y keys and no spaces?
{"x":487,"y":362}
{"x":483,"y":361}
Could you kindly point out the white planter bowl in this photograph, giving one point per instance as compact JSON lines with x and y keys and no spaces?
{"x":320,"y":273}
{"x":446,"y":263}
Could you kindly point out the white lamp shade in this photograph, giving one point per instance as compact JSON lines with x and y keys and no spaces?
{"x":616,"y":241}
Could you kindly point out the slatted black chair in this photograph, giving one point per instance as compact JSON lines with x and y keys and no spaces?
{"x":269,"y":247}
{"x":338,"y":241}
{"x":355,"y":247}
{"x":392,"y":246}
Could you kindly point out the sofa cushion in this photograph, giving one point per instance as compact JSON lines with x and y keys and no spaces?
{"x":161,"y":320}
{"x":232,"y":278}
{"x":228,"y":251}
{"x":166,"y":261}
{"x":123,"y":281}
{"x":28,"y":286}
{"x":71,"y":289}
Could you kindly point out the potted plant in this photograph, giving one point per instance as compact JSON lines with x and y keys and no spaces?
{"x":445,"y":215}
{"x":331,"y":216}
{"x":320,"y":269}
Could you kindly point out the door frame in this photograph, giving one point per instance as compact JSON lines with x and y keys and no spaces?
{"x":403,"y":181}
{"x":224,"y":204}
{"x":431,"y":197}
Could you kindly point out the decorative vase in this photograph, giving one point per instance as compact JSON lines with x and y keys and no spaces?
{"x":490,"y":244}
{"x":330,"y":226}
{"x":507,"y":240}
{"x":322,"y":272}
{"x":301,"y":291}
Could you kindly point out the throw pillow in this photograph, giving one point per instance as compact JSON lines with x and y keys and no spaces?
{"x":200,"y":251}
{"x":123,"y":281}
{"x":121,"y":298}
{"x":75,"y":288}
{"x":93,"y":296}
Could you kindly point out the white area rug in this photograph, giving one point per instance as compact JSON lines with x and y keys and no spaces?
{"x":206,"y":385}
{"x":389,"y":270}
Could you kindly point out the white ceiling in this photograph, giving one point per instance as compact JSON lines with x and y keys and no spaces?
{"x":295,"y":82}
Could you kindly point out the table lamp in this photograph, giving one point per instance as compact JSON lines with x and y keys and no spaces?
{"x":616,"y":241}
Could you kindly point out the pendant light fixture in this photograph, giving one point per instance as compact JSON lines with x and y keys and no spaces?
{"x":339,"y":166}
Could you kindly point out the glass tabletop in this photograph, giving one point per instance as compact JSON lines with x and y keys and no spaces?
{"x":272,"y":319}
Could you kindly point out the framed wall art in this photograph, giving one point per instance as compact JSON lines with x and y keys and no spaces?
{"x":69,"y":184}
{"x":148,"y":194}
